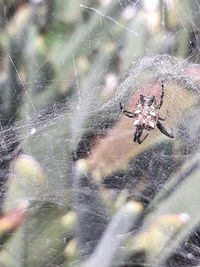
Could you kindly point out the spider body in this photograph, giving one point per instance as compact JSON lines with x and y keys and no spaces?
{"x":146,"y":116}
{"x":145,"y":113}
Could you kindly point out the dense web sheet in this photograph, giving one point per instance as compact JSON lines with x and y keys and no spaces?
{"x":70,"y":126}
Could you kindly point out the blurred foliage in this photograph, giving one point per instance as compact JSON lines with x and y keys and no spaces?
{"x":75,"y":189}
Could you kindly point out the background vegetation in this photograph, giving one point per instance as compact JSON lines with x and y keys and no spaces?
{"x":75,"y":189}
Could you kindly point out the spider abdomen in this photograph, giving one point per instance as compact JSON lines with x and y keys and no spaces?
{"x":146,"y":116}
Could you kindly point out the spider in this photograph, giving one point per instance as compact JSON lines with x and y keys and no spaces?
{"x":146,"y":116}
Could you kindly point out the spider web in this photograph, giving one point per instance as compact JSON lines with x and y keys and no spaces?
{"x":85,"y":122}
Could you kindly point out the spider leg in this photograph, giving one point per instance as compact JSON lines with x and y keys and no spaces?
{"x":138,"y":131}
{"x":135,"y":138}
{"x":140,"y":141}
{"x":138,"y":134}
{"x":126,"y":112}
{"x":161,"y":119}
{"x":162,"y":96}
{"x":163,"y":130}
